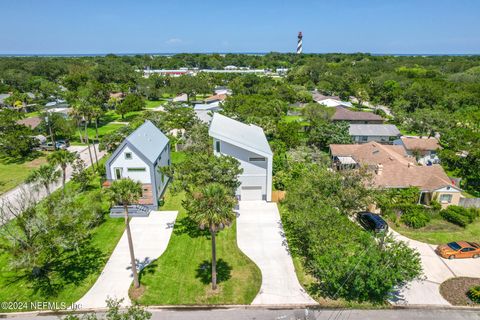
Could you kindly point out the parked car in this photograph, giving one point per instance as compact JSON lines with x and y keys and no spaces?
{"x":66,"y":142}
{"x":372,"y":221}
{"x":459,"y":249}
{"x":48,"y":146}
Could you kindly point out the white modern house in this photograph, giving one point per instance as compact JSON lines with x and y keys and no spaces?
{"x":246,"y":143}
{"x":139,"y":157}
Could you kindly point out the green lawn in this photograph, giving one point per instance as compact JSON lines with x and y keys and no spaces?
{"x":181,"y":274}
{"x":177,"y":157}
{"x":439,"y":231}
{"x":154,"y":104}
{"x":104,"y":239}
{"x":102,"y":130}
{"x":292,"y":118}
{"x":13,"y":174}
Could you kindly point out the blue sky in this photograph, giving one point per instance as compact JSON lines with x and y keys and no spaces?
{"x":127,"y":26}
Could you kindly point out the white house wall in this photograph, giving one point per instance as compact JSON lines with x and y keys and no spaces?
{"x":254,"y":173}
{"x":135,"y":162}
{"x":163,"y":161}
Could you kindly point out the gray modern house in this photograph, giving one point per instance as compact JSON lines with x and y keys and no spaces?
{"x":140,"y":157}
{"x":382,"y":133}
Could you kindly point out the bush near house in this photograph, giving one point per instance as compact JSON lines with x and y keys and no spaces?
{"x":474,"y":294}
{"x":415,"y":216}
{"x":459,"y":215}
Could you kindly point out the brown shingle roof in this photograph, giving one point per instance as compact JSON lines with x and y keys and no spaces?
{"x":423,"y":144}
{"x":398,"y":169}
{"x":32,"y":122}
{"x":342,"y":114}
{"x":217,"y":97}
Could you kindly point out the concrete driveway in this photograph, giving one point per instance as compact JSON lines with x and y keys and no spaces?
{"x":150,"y":239}
{"x":436,"y":270}
{"x":260,"y":236}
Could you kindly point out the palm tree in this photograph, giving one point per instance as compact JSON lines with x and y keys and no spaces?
{"x":46,"y":175}
{"x":62,"y":158}
{"x":212,"y":208}
{"x":126,"y":192}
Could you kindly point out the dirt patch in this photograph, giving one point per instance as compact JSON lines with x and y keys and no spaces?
{"x":136,"y":293}
{"x":35,"y":163}
{"x":455,"y":290}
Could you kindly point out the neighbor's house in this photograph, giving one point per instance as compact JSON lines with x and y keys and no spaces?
{"x":204,"y":112}
{"x":246,"y":143}
{"x":32,"y":122}
{"x":216,"y":98}
{"x":392,"y":167}
{"x":222,"y":90}
{"x":356,"y":117}
{"x":139,"y":157}
{"x":183,"y":97}
{"x":329,"y":101}
{"x":383,"y":133}
{"x":424,"y":149}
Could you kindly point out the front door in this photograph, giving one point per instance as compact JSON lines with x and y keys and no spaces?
{"x":118,"y":173}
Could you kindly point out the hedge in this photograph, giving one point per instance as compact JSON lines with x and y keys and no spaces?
{"x":459,"y":215}
{"x":415,"y":216}
{"x":474,"y":294}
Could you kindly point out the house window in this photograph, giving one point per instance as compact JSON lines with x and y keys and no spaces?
{"x":217,"y":146}
{"x":128,"y":155}
{"x":118,"y":173}
{"x":163,"y":178}
{"x":446,"y":198}
{"x":136,"y":169}
{"x":363,"y":138}
{"x":253,"y":159}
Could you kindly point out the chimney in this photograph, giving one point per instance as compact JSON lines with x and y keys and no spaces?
{"x":379,"y":170}
{"x":410,"y":164}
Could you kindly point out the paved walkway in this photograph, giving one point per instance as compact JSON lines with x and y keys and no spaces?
{"x":150,"y":239}
{"x":37,"y":191}
{"x":260,"y":236}
{"x":436,"y":270}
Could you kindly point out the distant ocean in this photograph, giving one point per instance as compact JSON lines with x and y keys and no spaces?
{"x":220,"y":53}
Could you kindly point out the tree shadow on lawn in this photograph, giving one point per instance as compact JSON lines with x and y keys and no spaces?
{"x":204,"y":271}
{"x":73,"y":268}
{"x":190,"y":227}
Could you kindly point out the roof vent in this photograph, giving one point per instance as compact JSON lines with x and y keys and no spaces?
{"x":375,"y":151}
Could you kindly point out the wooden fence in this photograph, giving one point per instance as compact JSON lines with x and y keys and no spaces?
{"x":278,"y":195}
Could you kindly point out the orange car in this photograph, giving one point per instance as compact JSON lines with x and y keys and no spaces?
{"x":459,"y":249}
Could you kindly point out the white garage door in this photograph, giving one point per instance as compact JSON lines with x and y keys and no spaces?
{"x":251,"y":193}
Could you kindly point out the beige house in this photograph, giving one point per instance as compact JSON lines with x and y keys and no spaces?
{"x":424,"y":149}
{"x":392,"y":167}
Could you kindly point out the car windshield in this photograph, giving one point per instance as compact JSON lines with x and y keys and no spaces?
{"x":454,"y":246}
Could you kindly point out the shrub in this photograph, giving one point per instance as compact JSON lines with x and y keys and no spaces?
{"x":459,"y":215}
{"x":415,"y":216}
{"x":474,"y":294}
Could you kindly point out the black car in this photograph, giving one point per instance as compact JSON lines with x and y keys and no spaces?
{"x":373,"y":222}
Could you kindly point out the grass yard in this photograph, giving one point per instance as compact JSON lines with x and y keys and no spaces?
{"x":102,"y":130}
{"x":154,"y":104}
{"x":177,"y":156}
{"x":182,"y":276}
{"x":292,"y":118}
{"x":13,"y":174}
{"x":105,"y":238}
{"x":439,"y":231}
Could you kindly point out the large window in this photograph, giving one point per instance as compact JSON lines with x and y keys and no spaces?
{"x":256,"y":159}
{"x":217,"y":146}
{"x":446,"y":198}
{"x":136,"y":169}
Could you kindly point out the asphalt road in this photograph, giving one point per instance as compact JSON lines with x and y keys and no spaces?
{"x":297,"y":314}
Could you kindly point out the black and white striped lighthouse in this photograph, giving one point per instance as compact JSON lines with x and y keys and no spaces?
{"x":299,"y":43}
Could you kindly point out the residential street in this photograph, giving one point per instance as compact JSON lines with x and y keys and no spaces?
{"x":436,"y":270}
{"x":299,"y":314}
{"x":150,"y":239}
{"x":38,"y":192}
{"x":261,"y":237}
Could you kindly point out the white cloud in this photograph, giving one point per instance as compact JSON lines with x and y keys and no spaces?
{"x":174,"y":41}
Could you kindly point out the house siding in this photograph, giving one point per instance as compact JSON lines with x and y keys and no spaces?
{"x":136,"y":162}
{"x":254,"y":173}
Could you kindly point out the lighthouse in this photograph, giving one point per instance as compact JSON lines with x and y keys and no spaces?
{"x":299,"y":43}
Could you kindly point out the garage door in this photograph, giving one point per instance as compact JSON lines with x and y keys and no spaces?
{"x":251,"y":193}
